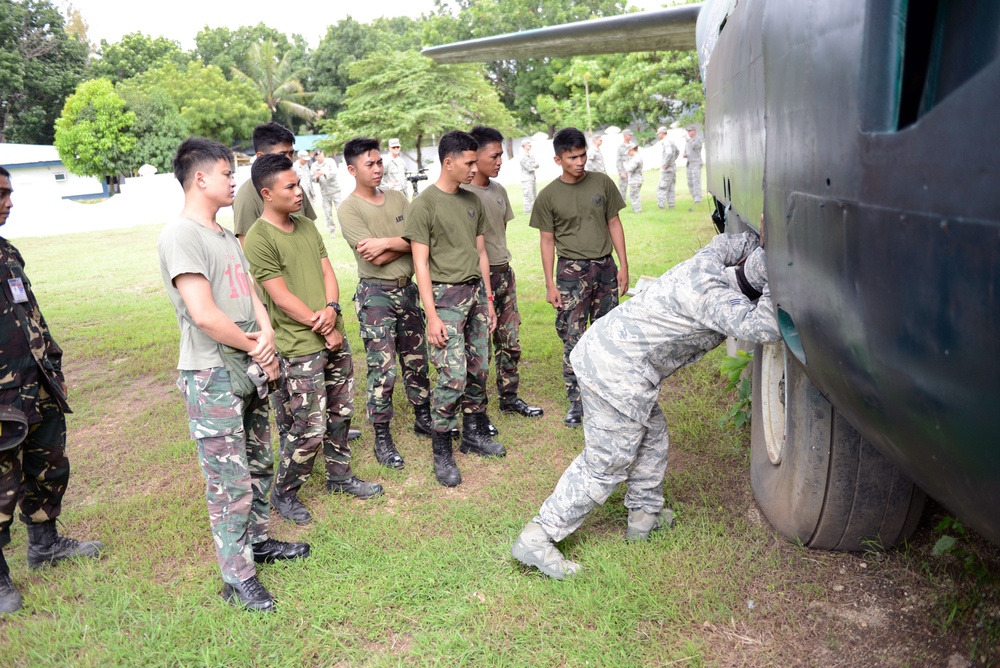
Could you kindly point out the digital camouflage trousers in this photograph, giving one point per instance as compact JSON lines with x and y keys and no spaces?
{"x":665,"y":189}
{"x":462,"y":365}
{"x":392,"y":326}
{"x":506,"y":337}
{"x":234,"y":450}
{"x":589,"y":290}
{"x":316,"y":408}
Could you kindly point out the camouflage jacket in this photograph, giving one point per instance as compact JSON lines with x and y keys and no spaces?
{"x":669,"y":153}
{"x":28,"y":353}
{"x":673,"y":322}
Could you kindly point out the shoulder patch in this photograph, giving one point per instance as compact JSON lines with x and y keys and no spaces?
{"x":598,"y":199}
{"x":471,"y":213}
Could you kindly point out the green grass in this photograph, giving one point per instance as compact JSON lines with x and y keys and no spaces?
{"x":423,"y":575}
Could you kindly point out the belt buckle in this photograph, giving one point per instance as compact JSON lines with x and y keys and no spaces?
{"x":401,"y":282}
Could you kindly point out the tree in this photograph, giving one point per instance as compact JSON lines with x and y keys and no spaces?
{"x":275,"y":81}
{"x":653,"y":89}
{"x":94,"y":133}
{"x":227,"y":48}
{"x":403,"y":94}
{"x":226,"y":111}
{"x":134,"y":54}
{"x":39,"y":66}
{"x":159,"y":127}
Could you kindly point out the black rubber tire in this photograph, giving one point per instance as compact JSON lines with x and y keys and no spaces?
{"x":830,"y":489}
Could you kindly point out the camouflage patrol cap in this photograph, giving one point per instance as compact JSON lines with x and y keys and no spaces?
{"x":394,"y":142}
{"x":13,"y":427}
{"x":692,"y":127}
{"x":755,"y":269}
{"x":627,"y":131}
{"x":662,"y":130}
{"x":303,"y":153}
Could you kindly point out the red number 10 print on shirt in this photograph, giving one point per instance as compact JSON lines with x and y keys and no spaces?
{"x":241,"y":280}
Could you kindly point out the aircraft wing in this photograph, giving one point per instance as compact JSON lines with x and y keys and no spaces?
{"x":670,"y":29}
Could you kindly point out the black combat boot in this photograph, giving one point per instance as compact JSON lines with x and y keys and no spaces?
{"x":445,"y":469}
{"x":10,"y":597}
{"x":574,"y":418}
{"x":356,"y":487}
{"x":476,"y":438}
{"x":385,"y":449}
{"x":519,"y":406}
{"x":290,"y":507}
{"x":271,"y":550}
{"x":490,"y":428}
{"x":424,"y":425}
{"x":46,"y":546}
{"x":249,"y":594}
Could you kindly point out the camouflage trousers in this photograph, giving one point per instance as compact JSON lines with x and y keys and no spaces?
{"x":392,"y":325}
{"x":623,"y":185}
{"x":35,"y":473}
{"x":634,"y":188}
{"x":330,"y":194}
{"x":617,"y":450}
{"x":693,"y":170}
{"x":665,"y":189}
{"x":316,"y":409}
{"x":462,"y":364}
{"x":589,"y":290}
{"x":506,"y":337}
{"x":234,"y":450}
{"x":528,"y":193}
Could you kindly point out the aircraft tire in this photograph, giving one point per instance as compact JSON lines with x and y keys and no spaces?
{"x":817,"y":480}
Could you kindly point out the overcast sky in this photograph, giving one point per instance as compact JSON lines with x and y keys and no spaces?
{"x":181,"y":20}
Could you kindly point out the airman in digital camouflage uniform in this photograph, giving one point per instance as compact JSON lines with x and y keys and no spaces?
{"x":692,"y":153}
{"x":34,"y":468}
{"x":577,"y":217}
{"x":325,"y":174}
{"x":668,"y":170}
{"x":621,"y":362}
{"x":506,"y":337}
{"x":595,"y":159}
{"x":394,"y":177}
{"x":445,"y":226}
{"x":220,"y":318}
{"x":387,"y":301}
{"x":304,"y":171}
{"x":620,"y":158}
{"x":528,"y":167}
{"x":289,"y":260}
{"x":633,"y":165}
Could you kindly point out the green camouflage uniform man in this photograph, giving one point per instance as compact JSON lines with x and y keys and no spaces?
{"x":34,"y":468}
{"x":445,"y":227}
{"x":289,"y":260}
{"x":387,"y":301}
{"x":595,"y":159}
{"x":528,"y":167}
{"x":577,"y":216}
{"x":506,"y":336}
{"x":394,"y":177}
{"x":621,"y":362}
{"x":692,"y":153}
{"x":634,"y":168}
{"x":325,"y":174}
{"x":620,"y":157}
{"x":668,"y":170}
{"x":226,"y":336}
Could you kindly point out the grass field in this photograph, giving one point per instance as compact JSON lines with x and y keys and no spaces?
{"x":423,"y":575}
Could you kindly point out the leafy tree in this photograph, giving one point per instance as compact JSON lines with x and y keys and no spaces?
{"x":653,"y":88}
{"x":133,"y":55}
{"x":94,"y":133}
{"x":159,"y":127}
{"x":213,"y":107}
{"x":39,"y":66}
{"x":403,"y":94}
{"x":228,"y":49}
{"x":276,"y":81}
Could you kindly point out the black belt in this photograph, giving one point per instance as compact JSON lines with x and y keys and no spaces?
{"x":392,"y":282}
{"x":574,"y":259}
{"x":497,"y":268}
{"x":473,"y":281}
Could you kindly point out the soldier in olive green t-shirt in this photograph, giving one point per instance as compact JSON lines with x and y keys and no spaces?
{"x":577,"y":216}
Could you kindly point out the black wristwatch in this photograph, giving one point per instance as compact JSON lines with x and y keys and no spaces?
{"x":335,"y":306}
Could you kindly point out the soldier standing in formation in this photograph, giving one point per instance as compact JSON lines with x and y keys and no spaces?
{"x":445,"y":226}
{"x":289,"y":261}
{"x":506,"y":337}
{"x":668,"y":170}
{"x":325,"y":174}
{"x":692,"y":153}
{"x":595,"y":159}
{"x":219,"y":314}
{"x":34,"y":468}
{"x":577,"y":216}
{"x":373,"y":219}
{"x":394,"y":177}
{"x":633,"y":166}
{"x":528,"y":167}
{"x":621,"y":362}
{"x":304,"y":172}
{"x":620,"y":159}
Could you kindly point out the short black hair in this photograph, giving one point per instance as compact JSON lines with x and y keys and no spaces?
{"x":484,"y":135}
{"x":4,"y":172}
{"x":271,"y":134}
{"x":196,"y":152}
{"x":568,"y":139}
{"x":266,"y":168}
{"x":455,"y":142}
{"x":359,"y":146}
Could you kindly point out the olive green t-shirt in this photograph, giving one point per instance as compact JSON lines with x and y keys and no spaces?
{"x":360,"y":219}
{"x":248,"y":207}
{"x":498,"y":212}
{"x":294,"y":256}
{"x":578,"y":214}
{"x":448,"y":225}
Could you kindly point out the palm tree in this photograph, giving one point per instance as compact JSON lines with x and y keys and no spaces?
{"x":277,"y":82}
